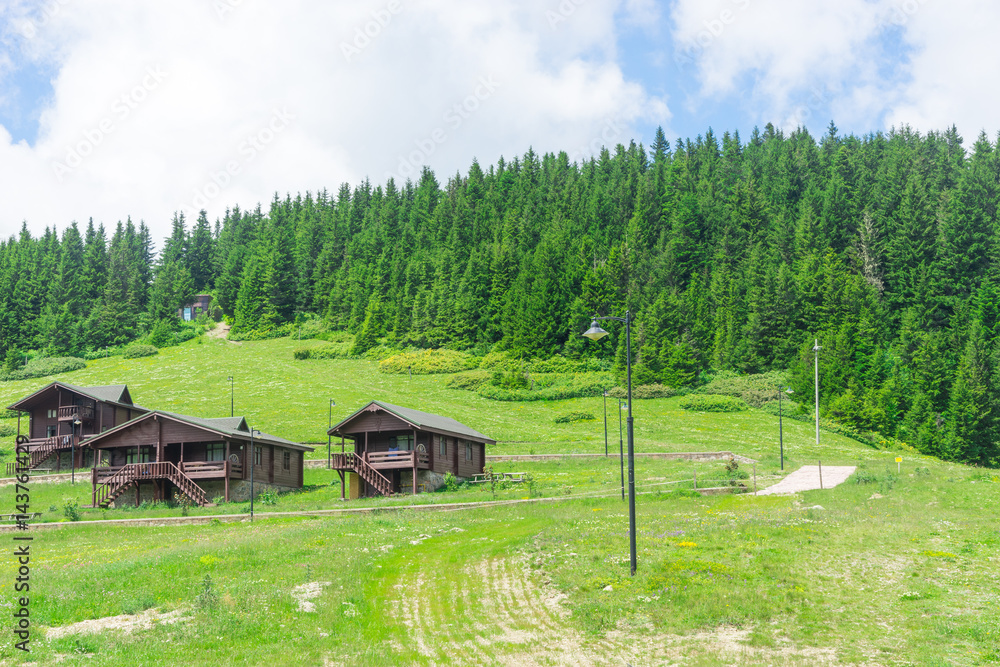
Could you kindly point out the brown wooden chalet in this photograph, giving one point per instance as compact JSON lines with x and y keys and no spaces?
{"x":63,"y":417}
{"x":396,"y":448}
{"x":161,"y":453}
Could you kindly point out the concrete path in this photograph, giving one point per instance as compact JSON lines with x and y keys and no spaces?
{"x":807,"y":478}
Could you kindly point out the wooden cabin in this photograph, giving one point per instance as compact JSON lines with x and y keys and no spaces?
{"x":198,"y":306}
{"x":397,"y":449}
{"x":160,"y":454}
{"x":63,"y":417}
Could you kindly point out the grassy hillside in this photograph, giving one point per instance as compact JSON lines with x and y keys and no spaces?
{"x":886,"y":569}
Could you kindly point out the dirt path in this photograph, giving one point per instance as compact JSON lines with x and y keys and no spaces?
{"x":807,"y":478}
{"x":221,"y":330}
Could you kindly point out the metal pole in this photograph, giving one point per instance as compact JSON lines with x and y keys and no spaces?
{"x":72,"y":450}
{"x":329,"y":425}
{"x":605,"y":423}
{"x":232,"y":411}
{"x":631,"y":442}
{"x":781,"y":441}
{"x":816,"y":349}
{"x":621,"y":447}
{"x":253,"y":462}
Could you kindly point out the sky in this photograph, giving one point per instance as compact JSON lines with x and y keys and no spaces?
{"x":112,"y":109}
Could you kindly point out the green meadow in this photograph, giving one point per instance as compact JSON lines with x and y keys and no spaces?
{"x":886,"y":569}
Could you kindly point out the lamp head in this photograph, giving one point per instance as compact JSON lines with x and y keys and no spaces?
{"x":595,"y":332}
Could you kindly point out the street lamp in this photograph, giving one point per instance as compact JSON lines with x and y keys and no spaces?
{"x":816,"y":349}
{"x":605,"y":423}
{"x":595,"y":332}
{"x":253,"y":464}
{"x":72,"y":448}
{"x":329,"y":425}
{"x":232,"y":412}
{"x":621,"y":451}
{"x":781,"y":442}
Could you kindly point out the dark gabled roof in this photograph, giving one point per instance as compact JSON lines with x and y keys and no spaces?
{"x":423,"y":421}
{"x":113,"y":394}
{"x":230,"y":427}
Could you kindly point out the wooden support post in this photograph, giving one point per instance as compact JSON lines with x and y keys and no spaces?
{"x":226,"y":470}
{"x":136,"y":493}
{"x":93,"y":486}
{"x":341,"y":473}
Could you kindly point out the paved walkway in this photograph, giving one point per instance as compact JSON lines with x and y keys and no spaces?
{"x":807,"y":478}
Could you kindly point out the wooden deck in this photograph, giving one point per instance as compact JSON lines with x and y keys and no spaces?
{"x":191,"y":469}
{"x":384,"y":460}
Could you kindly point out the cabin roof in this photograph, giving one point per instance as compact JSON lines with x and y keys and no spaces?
{"x":230,"y":427}
{"x":423,"y":421}
{"x":113,"y":394}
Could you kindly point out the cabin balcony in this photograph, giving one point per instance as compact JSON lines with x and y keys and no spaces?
{"x":402,"y":460}
{"x":69,"y":413}
{"x":191,"y":469}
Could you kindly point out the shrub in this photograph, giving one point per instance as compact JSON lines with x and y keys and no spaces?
{"x":278,"y":331}
{"x":333,"y":351}
{"x":102,"y":353}
{"x":425,"y":362}
{"x":6,"y":430}
{"x":137,"y":350}
{"x":46,"y":366}
{"x":380,"y":352}
{"x":450,"y":482}
{"x":756,"y":389}
{"x":470,"y":380}
{"x":551,"y":387}
{"x":644,"y":391}
{"x":267,"y":497}
{"x":71,"y":509}
{"x":713,"y":403}
{"x":162,"y":334}
{"x":574,"y":417}
{"x":787,"y":407}
{"x":8,"y":414}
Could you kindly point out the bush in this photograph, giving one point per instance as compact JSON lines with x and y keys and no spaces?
{"x":450,"y":482}
{"x":137,"y":350}
{"x":71,"y":509}
{"x":102,"y":353}
{"x":644,"y":391}
{"x":470,"y":380}
{"x":46,"y":366}
{"x":755,"y":390}
{"x":267,"y":497}
{"x":380,"y":352}
{"x":552,"y":387}
{"x":279,"y":331}
{"x":6,"y":430}
{"x":425,"y":362}
{"x":162,"y":334}
{"x":574,"y":417}
{"x":334,"y":351}
{"x":787,"y":407}
{"x":713,"y":403}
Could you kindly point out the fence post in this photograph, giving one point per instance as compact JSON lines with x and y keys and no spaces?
{"x":820,"y":474}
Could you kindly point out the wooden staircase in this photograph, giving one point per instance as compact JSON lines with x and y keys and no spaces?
{"x":352,"y":461}
{"x":41,"y":453}
{"x":133,"y":473}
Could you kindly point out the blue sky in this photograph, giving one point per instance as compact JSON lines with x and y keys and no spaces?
{"x":113,"y":108}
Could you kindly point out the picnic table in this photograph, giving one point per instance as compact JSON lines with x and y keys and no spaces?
{"x":499,"y":476}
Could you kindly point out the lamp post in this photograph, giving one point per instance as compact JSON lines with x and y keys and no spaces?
{"x":781,"y":442}
{"x":816,"y":349}
{"x":253,"y":464}
{"x":232,"y":412}
{"x":72,"y":448}
{"x":605,"y":423}
{"x":329,"y":425}
{"x":621,"y":451}
{"x":596,"y":333}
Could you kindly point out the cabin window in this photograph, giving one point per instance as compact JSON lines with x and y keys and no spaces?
{"x":468,"y":451}
{"x":53,"y":414}
{"x":403,"y":443}
{"x":144,"y":455}
{"x":286,"y":461}
{"x":50,"y":431}
{"x":442,"y":445}
{"x":215,"y":451}
{"x":258,"y":455}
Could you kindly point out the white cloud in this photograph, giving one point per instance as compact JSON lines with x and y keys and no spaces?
{"x":161,"y":106}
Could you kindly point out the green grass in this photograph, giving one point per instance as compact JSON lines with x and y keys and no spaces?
{"x":910,"y":577}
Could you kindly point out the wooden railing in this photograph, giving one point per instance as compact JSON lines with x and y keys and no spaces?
{"x":403,"y":459}
{"x":42,"y":448}
{"x":84,"y":412}
{"x":109,"y":483}
{"x":196,"y":469}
